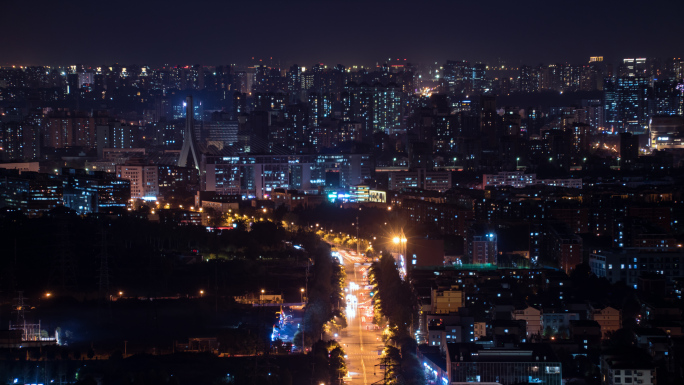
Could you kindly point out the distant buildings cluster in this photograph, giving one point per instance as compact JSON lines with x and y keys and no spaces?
{"x":526,"y":171}
{"x":517,"y":325}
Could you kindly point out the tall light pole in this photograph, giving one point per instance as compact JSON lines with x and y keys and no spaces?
{"x":403,"y":243}
{"x":301,"y":295}
{"x":358,"y":244}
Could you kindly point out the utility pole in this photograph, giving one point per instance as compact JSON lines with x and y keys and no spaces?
{"x":104,"y":269}
{"x":103,"y":281}
{"x":386,"y":365}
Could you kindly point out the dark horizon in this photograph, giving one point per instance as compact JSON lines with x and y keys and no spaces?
{"x":354,"y":33}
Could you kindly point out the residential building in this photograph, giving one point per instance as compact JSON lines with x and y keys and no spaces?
{"x":625,"y":368}
{"x":144,"y":179}
{"x":532,"y":318}
{"x":518,"y":179}
{"x":420,"y":179}
{"x":446,"y":301}
{"x":609,"y":318}
{"x":628,"y":264}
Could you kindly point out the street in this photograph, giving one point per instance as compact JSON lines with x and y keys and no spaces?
{"x":361,"y":340}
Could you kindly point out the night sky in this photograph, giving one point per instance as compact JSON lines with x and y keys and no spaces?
{"x":348,"y":32}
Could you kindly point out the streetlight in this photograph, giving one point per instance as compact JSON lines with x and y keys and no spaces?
{"x":48,"y":294}
{"x":517,"y":163}
{"x":201,"y":293}
{"x":301,"y":295}
{"x":120,"y":294}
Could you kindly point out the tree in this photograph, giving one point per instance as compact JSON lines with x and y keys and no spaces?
{"x":116,"y":355}
{"x":621,"y":338}
{"x":88,"y":380}
{"x":393,"y":297}
{"x":338,"y":367}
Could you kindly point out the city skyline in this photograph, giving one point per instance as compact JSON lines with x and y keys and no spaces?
{"x":331,"y":193}
{"x":156,"y":33}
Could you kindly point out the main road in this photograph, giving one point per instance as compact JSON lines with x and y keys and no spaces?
{"x":361,"y":340}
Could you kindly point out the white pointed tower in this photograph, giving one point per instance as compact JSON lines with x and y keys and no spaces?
{"x":188,"y":137}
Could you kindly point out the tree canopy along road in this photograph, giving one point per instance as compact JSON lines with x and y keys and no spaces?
{"x":362,"y":339}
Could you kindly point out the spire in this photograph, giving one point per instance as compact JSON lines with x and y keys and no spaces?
{"x":188,"y":139}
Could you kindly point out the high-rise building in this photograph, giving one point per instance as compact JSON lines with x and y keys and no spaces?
{"x":629,"y":147}
{"x":479,"y":79}
{"x":144,"y":179}
{"x":420,"y":179}
{"x":529,"y":79}
{"x":489,"y":122}
{"x":627,"y":104}
{"x":224,"y":132}
{"x":256,"y":175}
{"x":30,"y":192}
{"x":481,"y":245}
{"x":388,"y":109}
{"x":667,"y":97}
{"x":19,"y":141}
{"x":115,"y":135}
{"x":378,"y":108}
{"x":456,"y":74}
{"x":72,"y":128}
{"x":634,"y":67}
{"x":94,"y":192}
{"x":563,"y":247}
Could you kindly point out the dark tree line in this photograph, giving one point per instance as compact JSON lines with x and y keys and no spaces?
{"x":325,"y":297}
{"x":328,"y":362}
{"x":393,"y":297}
{"x":395,"y":302}
{"x":60,"y":250}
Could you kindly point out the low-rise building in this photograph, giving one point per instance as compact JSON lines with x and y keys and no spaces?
{"x":532,"y":318}
{"x":534,"y":363}
{"x":609,"y":318}
{"x":555,"y":322}
{"x":293,"y":198}
{"x":30,"y":192}
{"x":632,"y":366}
{"x":586,"y":333}
{"x":446,"y":301}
